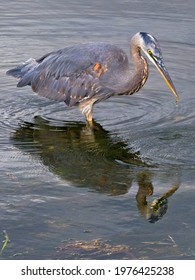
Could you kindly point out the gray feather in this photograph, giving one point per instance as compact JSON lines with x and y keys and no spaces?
{"x":68,"y":74}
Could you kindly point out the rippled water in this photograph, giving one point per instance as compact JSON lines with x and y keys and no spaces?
{"x":125,"y":190}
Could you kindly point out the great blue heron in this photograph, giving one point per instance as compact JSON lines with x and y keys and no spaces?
{"x":85,"y":74}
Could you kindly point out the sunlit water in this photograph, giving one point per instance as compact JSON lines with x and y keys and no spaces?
{"x":127,"y":189}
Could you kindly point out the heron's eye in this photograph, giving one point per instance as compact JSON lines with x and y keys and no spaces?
{"x":149,"y":51}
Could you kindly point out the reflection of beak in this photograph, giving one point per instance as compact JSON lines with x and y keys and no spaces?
{"x":158,"y":62}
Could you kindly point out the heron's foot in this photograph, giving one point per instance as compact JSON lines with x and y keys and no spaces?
{"x":90,"y":121}
{"x":93,"y":125}
{"x":87,"y":110}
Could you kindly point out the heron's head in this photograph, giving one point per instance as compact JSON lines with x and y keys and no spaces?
{"x":150,"y":46}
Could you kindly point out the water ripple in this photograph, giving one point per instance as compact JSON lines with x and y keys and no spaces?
{"x":149,"y":122}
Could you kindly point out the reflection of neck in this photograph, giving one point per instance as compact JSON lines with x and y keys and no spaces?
{"x":142,"y":203}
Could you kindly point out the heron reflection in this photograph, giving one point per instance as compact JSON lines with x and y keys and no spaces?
{"x":92,"y":159}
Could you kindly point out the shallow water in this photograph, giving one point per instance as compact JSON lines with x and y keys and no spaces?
{"x":125,"y":190}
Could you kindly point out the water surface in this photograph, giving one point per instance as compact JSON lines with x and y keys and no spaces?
{"x":125,"y":190}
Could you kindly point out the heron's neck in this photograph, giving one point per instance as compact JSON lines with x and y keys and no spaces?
{"x":140,"y":75}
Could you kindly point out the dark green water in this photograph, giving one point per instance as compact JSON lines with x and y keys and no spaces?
{"x":127,"y":189}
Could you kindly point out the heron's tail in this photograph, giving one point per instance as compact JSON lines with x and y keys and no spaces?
{"x":23,"y":69}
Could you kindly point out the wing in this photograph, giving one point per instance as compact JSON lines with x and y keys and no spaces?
{"x":71,"y":74}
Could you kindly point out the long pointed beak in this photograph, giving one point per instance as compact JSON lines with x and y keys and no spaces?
{"x":163,"y":71}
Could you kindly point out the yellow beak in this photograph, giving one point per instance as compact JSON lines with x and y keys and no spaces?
{"x":158,"y":62}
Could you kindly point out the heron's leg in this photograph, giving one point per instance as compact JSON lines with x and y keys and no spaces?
{"x":87,"y":112}
{"x":88,"y":115}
